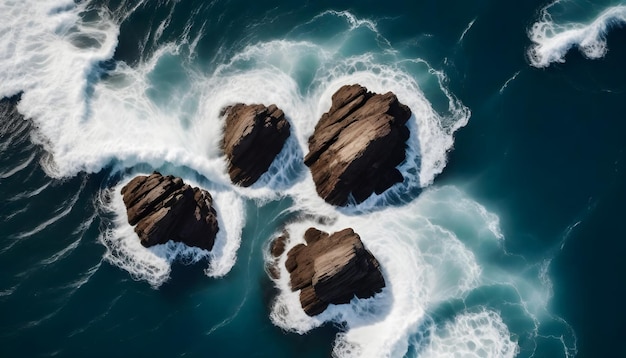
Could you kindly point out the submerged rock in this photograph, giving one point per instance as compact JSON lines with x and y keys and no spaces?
{"x":164,"y":208}
{"x":253,"y":137}
{"x":332,"y":269}
{"x":357,"y":145}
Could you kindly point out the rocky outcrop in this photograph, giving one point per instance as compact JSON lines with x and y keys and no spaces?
{"x":277,"y":248}
{"x":332,"y":269}
{"x":164,"y":208}
{"x":357,"y":145}
{"x":253,"y":137}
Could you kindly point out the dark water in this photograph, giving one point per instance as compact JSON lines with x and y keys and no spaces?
{"x":96,"y":92}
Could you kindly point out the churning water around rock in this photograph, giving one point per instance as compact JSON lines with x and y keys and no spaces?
{"x":502,"y":241}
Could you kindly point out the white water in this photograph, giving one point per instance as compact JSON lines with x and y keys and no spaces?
{"x":552,"y":40}
{"x":424,"y":264}
{"x":162,"y":114}
{"x":154,"y":264}
{"x":50,"y":54}
{"x":481,"y":334}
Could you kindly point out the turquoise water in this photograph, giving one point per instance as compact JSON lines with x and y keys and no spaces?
{"x":504,"y":239}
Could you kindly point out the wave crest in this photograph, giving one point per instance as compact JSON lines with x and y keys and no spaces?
{"x":552,"y":40}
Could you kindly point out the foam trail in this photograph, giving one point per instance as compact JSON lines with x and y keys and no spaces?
{"x":229,"y":319}
{"x":80,"y":231}
{"x":13,"y":129}
{"x":469,"y":26}
{"x":552,"y":40}
{"x":19,"y":167}
{"x":506,"y":84}
{"x":354,"y":23}
{"x":67,"y":207}
{"x":9,"y":291}
{"x":97,"y":318}
{"x":16,"y":213}
{"x":61,"y":254}
{"x":154,"y":264}
{"x":30,"y":194}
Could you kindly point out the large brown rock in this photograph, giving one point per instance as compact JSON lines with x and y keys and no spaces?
{"x":164,"y":208}
{"x":357,"y":145}
{"x":253,"y":137}
{"x":332,"y":269}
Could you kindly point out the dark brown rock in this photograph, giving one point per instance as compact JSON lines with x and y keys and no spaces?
{"x":357,"y":145}
{"x":332,"y":269}
{"x":164,"y":208}
{"x":277,"y":248}
{"x":253,"y":137}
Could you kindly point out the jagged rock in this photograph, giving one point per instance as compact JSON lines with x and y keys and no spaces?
{"x":253,"y":137}
{"x":277,"y":248}
{"x":357,"y":145}
{"x":164,"y":208}
{"x":332,"y":269}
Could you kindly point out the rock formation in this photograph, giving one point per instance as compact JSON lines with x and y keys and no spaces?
{"x":165,"y":208}
{"x":277,"y":248}
{"x":253,"y":137}
{"x":332,"y":269}
{"x":357,"y":145}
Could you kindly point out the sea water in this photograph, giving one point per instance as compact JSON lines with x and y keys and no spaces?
{"x":502,"y":241}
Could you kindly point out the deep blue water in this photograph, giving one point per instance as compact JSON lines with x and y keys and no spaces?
{"x":504,"y":240}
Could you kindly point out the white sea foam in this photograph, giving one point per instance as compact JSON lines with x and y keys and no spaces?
{"x":59,"y":213}
{"x":52,"y":55}
{"x":154,"y":264}
{"x":19,"y":167}
{"x":275,"y":64}
{"x":506,"y":84}
{"x":424,"y":264}
{"x":469,"y":26}
{"x":30,"y":193}
{"x":435,"y":251}
{"x":80,"y":232}
{"x":552,"y":40}
{"x":164,"y":113}
{"x":480,"y":334}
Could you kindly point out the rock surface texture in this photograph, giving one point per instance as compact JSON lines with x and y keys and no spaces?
{"x":164,"y":208}
{"x":357,"y":145}
{"x":332,"y":269}
{"x":253,"y":137}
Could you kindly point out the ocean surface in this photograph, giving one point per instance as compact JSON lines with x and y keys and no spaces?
{"x":505,"y":239}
